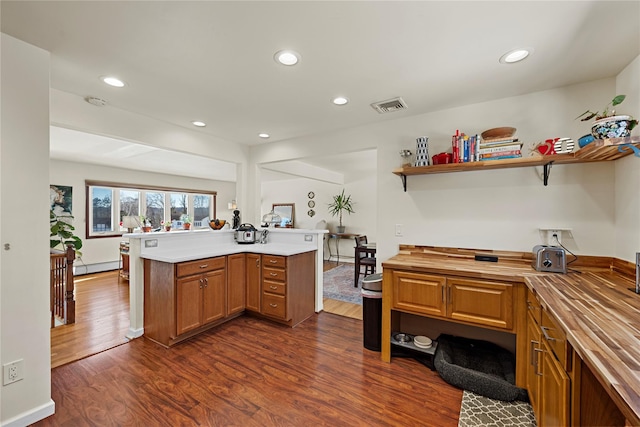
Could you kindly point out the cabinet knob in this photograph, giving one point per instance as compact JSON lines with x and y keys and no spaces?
{"x":273,"y":287}
{"x":273,"y":305}
{"x":204,"y":266}
{"x":273,"y":274}
{"x":273,"y":261}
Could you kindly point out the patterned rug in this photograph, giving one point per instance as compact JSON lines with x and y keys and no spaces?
{"x":338,"y":284}
{"x":478,"y":410}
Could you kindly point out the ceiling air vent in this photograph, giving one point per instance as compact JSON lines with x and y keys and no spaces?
{"x":98,"y":102}
{"x":389,"y":105}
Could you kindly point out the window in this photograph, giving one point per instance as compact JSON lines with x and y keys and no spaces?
{"x":110,"y":202}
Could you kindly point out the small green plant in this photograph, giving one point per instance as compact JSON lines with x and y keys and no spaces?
{"x":62,"y":233}
{"x":588,"y":115}
{"x":341,"y":203}
{"x":185,"y":219}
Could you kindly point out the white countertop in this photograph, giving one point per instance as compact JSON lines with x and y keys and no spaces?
{"x":174,"y":256}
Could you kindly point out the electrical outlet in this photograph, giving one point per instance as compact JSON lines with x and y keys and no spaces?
{"x":308,"y":237}
{"x":13,"y":372}
{"x":398,"y":230}
{"x":554,"y":237}
{"x":153,"y":243}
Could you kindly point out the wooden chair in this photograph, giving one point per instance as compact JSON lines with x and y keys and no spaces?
{"x":364,"y":256}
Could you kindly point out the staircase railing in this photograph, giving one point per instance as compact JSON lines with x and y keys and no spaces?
{"x":63,"y":304}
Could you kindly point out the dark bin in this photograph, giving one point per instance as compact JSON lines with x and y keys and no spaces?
{"x":372,"y":311}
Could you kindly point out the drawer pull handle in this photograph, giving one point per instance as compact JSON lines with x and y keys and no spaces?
{"x":273,"y":287}
{"x":204,"y":266}
{"x":273,"y":274}
{"x":537,"y":364}
{"x":273,"y":305}
{"x":546,"y":336}
{"x":273,"y":261}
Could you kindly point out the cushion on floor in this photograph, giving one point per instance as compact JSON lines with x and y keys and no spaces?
{"x":478,"y":366}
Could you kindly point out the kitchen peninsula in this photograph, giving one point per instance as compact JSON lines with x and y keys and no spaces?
{"x":576,"y":334}
{"x":178,"y":248}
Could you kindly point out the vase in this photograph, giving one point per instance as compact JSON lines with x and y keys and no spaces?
{"x":167,"y":228}
{"x":422,"y":151}
{"x":146,"y":229}
{"x":340,"y":229}
{"x":186,"y":226}
{"x":612,"y":127}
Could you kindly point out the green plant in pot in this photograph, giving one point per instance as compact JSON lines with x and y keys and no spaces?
{"x":341,"y":203}
{"x":607,"y":124}
{"x":61,"y":232}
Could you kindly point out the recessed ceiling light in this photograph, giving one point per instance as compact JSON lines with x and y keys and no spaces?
{"x":113,"y":81}
{"x":516,"y":55}
{"x":199,"y":124}
{"x":264,"y":135}
{"x":287,"y":57}
{"x":340,"y":100}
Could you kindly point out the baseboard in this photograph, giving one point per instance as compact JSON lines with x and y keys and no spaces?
{"x":81,"y":269}
{"x":135,"y":333}
{"x":32,"y":416}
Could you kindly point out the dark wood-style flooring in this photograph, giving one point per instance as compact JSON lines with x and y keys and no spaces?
{"x":252,"y":372}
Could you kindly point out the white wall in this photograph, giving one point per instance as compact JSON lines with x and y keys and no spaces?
{"x":24,"y":268}
{"x":500,"y":209}
{"x":295,"y":190}
{"x":627,"y":171}
{"x":105,"y":250}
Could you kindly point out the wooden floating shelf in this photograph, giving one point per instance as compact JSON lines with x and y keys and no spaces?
{"x":598,"y":151}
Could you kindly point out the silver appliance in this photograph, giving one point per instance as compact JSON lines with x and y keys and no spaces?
{"x":549,"y":258}
{"x":246,"y":233}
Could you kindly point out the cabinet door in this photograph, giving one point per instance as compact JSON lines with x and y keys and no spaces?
{"x":534,"y":353}
{"x":419,"y":293}
{"x":554,"y":391}
{"x":214,"y":296}
{"x":253,"y":277}
{"x":481,"y":302}
{"x":188,"y":303}
{"x":236,"y":283}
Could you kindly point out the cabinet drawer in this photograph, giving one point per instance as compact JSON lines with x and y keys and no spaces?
{"x":274,"y":261}
{"x":277,"y":274}
{"x":480,"y":302}
{"x":274,"y":287}
{"x":200,"y":266}
{"x":419,"y":293}
{"x":555,"y":337}
{"x":274,"y":305}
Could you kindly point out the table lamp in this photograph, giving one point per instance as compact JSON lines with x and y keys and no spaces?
{"x":130,"y":222}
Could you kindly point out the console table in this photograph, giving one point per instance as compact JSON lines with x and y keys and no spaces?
{"x":339,"y":236}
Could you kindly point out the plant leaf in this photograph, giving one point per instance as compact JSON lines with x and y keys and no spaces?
{"x":618,"y":100}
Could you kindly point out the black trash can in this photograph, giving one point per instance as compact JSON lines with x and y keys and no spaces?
{"x":372,"y":311}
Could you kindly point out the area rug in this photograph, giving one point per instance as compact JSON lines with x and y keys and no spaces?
{"x":338,"y":284}
{"x":478,"y":410}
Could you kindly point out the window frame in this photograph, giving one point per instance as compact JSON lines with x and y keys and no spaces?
{"x":142,"y":190}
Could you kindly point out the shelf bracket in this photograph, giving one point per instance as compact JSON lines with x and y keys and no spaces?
{"x":547,"y":171}
{"x":403,"y":177}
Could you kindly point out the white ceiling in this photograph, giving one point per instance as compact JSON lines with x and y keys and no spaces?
{"x":213,"y":60}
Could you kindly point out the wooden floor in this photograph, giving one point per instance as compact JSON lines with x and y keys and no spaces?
{"x":340,"y":308}
{"x":252,"y":372}
{"x":102,"y":319}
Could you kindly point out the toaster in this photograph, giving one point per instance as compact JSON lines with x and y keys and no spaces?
{"x":549,"y":258}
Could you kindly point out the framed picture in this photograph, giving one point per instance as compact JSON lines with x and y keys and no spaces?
{"x":286,"y":211}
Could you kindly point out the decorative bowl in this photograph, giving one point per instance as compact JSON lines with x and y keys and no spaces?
{"x":613,"y":127}
{"x":503,"y":132}
{"x":217,"y":224}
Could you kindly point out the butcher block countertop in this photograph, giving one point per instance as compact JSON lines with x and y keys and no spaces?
{"x":592,"y":303}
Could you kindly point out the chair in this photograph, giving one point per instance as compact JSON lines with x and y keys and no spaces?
{"x":364,"y":256}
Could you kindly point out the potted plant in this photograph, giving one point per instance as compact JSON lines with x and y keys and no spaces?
{"x":186,"y":221}
{"x":61,"y":232}
{"x":166,"y":225}
{"x":341,"y":202}
{"x":607,"y":124}
{"x":146,"y":224}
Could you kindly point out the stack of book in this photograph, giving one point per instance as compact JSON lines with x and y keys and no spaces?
{"x":464,"y":148}
{"x":499,"y":148}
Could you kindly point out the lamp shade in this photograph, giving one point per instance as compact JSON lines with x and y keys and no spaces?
{"x":130,"y":222}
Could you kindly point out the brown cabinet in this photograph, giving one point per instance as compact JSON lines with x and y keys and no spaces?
{"x":253,"y":282}
{"x":183,"y":299}
{"x":236,"y":283}
{"x":471,"y":301}
{"x":549,"y":364}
